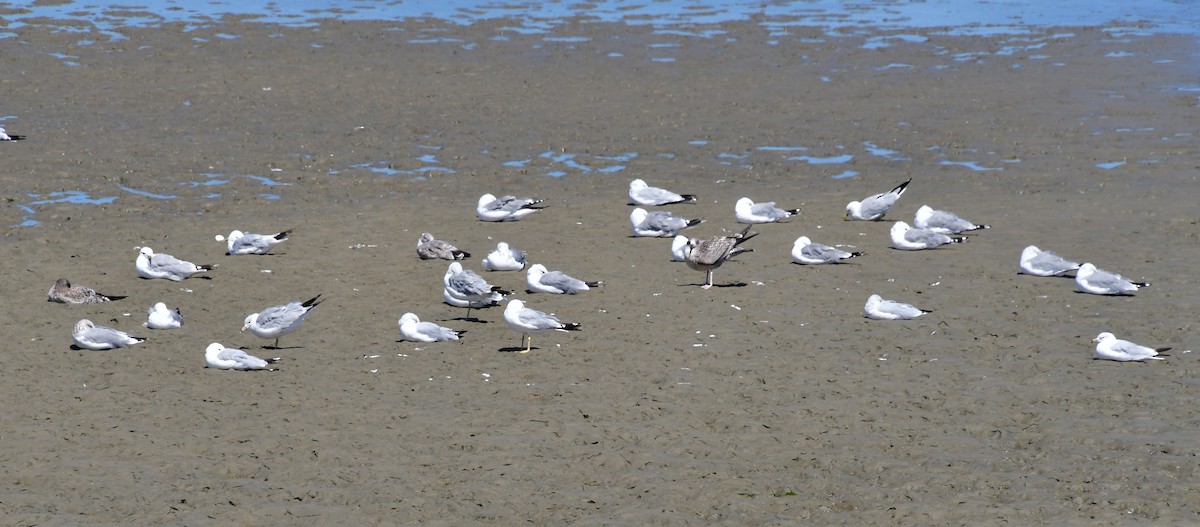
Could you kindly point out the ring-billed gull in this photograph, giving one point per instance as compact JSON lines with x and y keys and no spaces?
{"x":1089,"y":279}
{"x":87,"y":335}
{"x":160,"y":265}
{"x":805,"y":252}
{"x":873,"y":208}
{"x":747,"y":211}
{"x":642,"y":194}
{"x":465,"y":284}
{"x":222,"y":358}
{"x":159,"y":317}
{"x":1109,"y":347}
{"x":906,"y":238}
{"x":540,"y":280}
{"x":943,"y":222}
{"x":1037,"y":262}
{"x":707,"y":255}
{"x":240,"y":243}
{"x":63,"y":292}
{"x":659,"y":224}
{"x":879,"y":309}
{"x":504,"y":258}
{"x":430,"y":248}
{"x":493,"y":300}
{"x":411,"y":328}
{"x":529,"y":321}
{"x":505,"y":208}
{"x":5,"y":136}
{"x":277,"y":321}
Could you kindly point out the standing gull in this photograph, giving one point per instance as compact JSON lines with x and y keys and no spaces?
{"x":805,"y":252}
{"x":411,"y":328}
{"x":222,"y":358}
{"x":4,"y":136}
{"x":642,"y":194}
{"x":465,"y":284}
{"x":159,"y":317}
{"x":747,"y":211}
{"x":707,"y":255}
{"x":505,"y":208}
{"x":1037,"y":262}
{"x":530,"y":321}
{"x":90,"y":336}
{"x":151,"y":265}
{"x":907,"y":238}
{"x":1089,"y":279}
{"x":873,"y":208}
{"x":879,"y":309}
{"x":943,"y":222}
{"x":277,"y":321}
{"x":63,"y":292}
{"x":504,"y":258}
{"x":556,"y":282}
{"x":430,"y":248}
{"x":659,"y":224}
{"x":1109,"y":347}
{"x":239,"y":243}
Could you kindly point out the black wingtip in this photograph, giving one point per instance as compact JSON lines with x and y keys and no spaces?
{"x":1141,"y":284}
{"x":113,"y":297}
{"x":687,"y":198}
{"x":695,"y":222}
{"x":572,"y":326}
{"x":283,"y":235}
{"x":16,"y":137}
{"x":793,"y":211}
{"x":312,"y":302}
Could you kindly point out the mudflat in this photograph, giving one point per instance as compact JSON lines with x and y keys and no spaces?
{"x":767,"y":400}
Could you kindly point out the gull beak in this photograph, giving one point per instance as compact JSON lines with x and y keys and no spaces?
{"x":846,"y":217}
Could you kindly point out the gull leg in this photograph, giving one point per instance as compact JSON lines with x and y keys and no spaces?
{"x":527,"y":348}
{"x":707,"y":280}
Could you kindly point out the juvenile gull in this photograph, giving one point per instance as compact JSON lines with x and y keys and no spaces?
{"x":1109,"y":347}
{"x":411,"y":328}
{"x":707,"y":255}
{"x":505,"y":208}
{"x":879,"y":309}
{"x":556,"y":282}
{"x":468,"y":285}
{"x":151,"y":265}
{"x":529,"y":321}
{"x":90,"y":336}
{"x":873,"y":208}
{"x":907,"y":238}
{"x":277,"y":321}
{"x":805,"y":252}
{"x":4,"y":136}
{"x":504,"y":258}
{"x":430,"y":248}
{"x":159,"y":317}
{"x":747,"y":211}
{"x":943,"y":222}
{"x":222,"y":358}
{"x":642,"y":194}
{"x":63,"y":292}
{"x":660,"y":224}
{"x":1037,"y":262}
{"x":239,"y":243}
{"x":1089,"y":279}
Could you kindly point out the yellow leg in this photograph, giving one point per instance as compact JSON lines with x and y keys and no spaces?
{"x":528,"y":347}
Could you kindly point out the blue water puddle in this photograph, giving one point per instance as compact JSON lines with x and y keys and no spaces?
{"x":265,"y":180}
{"x":270,"y":196}
{"x":884,"y":153}
{"x":782,"y":148}
{"x":845,"y":174}
{"x":832,"y":160}
{"x":74,"y":197}
{"x":971,"y":165}
{"x":520,"y":163}
{"x":1110,"y":165}
{"x":145,"y":193}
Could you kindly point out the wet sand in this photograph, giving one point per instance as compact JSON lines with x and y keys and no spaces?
{"x":767,"y":401}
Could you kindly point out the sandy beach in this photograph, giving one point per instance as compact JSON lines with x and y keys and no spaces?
{"x":768,"y":400}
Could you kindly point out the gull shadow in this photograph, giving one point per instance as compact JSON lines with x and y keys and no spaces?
{"x":471,"y":319}
{"x":1115,"y":294}
{"x":1071,"y":276}
{"x":516,"y":349}
{"x":735,"y":284}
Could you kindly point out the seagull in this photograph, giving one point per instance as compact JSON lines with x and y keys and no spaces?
{"x":468,"y":285}
{"x":879,"y":309}
{"x":505,"y":208}
{"x":747,"y":211}
{"x":540,"y":280}
{"x":222,"y":358}
{"x":249,"y":243}
{"x":943,"y":222}
{"x":63,"y":292}
{"x":907,"y":238}
{"x":90,"y":336}
{"x":159,"y":317}
{"x":642,"y":194}
{"x":874,"y":207}
{"x":1109,"y":347}
{"x":529,"y":321}
{"x":659,"y":224}
{"x":504,"y":258}
{"x":707,"y":255}
{"x":151,"y":265}
{"x":1037,"y":262}
{"x":411,"y":328}
{"x":4,"y":136}
{"x":430,"y":248}
{"x":680,"y":248}
{"x":493,"y":300}
{"x":805,"y":252}
{"x":277,"y":321}
{"x":1089,"y":279}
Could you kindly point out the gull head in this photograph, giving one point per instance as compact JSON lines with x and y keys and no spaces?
{"x":852,"y":208}
{"x":638,"y":216}
{"x":250,"y":319}
{"x":802,"y":241}
{"x":636,"y":185}
{"x":147,"y":252}
{"x":1104,"y":336}
{"x":485,"y":199}
{"x":408,"y":318}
